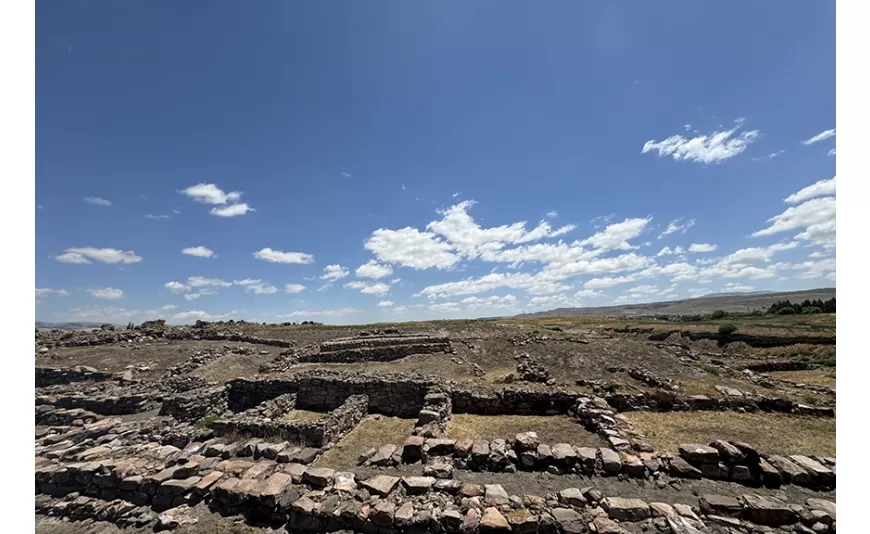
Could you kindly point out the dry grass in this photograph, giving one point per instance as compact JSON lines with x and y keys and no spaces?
{"x":550,"y":429}
{"x":232,"y":366}
{"x":815,"y":377}
{"x":302,"y":415}
{"x":770,"y":433}
{"x":373,"y":431}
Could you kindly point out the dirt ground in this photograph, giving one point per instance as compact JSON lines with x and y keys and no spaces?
{"x":550,"y":429}
{"x":769,"y":432}
{"x":373,"y":431}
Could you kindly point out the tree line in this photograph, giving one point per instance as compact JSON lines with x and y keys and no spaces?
{"x":786,"y":307}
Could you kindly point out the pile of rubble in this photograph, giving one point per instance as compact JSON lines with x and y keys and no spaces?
{"x":530,"y":370}
{"x":379,"y":347}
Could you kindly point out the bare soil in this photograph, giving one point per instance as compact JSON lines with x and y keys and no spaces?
{"x":550,"y":429}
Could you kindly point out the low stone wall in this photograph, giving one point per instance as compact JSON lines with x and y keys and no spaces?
{"x":750,"y":339}
{"x":322,"y":500}
{"x":394,"y":394}
{"x":433,"y":417}
{"x":374,"y":354}
{"x":513,"y":401}
{"x":330,"y":428}
{"x":353,"y":343}
{"x":789,"y":365}
{"x":667,"y":401}
{"x":48,"y":415}
{"x":196,"y":404}
{"x":50,"y":376}
{"x":109,"y":405}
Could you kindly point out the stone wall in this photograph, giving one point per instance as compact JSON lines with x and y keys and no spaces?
{"x":394,"y":394}
{"x":195,"y":404}
{"x":372,"y":354}
{"x":664,"y":400}
{"x":433,"y":417}
{"x":330,"y":428}
{"x":513,"y":401}
{"x":49,"y":376}
{"x":108,"y":405}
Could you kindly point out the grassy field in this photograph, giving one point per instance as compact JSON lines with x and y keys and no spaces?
{"x":770,"y":433}
{"x":550,"y":429}
{"x":373,"y":431}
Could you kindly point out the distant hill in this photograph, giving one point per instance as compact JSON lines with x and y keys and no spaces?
{"x":43,"y":325}
{"x":729,"y":302}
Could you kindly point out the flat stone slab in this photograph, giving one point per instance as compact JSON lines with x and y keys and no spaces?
{"x":766,"y":511}
{"x":572,"y":497}
{"x":418,"y":485}
{"x":493,"y":521}
{"x":622,"y":509}
{"x":719,"y":505}
{"x":495,"y":495}
{"x":380,"y":484}
{"x":319,"y":477}
{"x":695,"y":453}
{"x":610,"y":460}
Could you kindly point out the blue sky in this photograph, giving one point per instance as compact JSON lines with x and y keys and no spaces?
{"x":478,"y":158}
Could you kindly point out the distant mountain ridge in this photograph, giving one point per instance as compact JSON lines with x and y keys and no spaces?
{"x":729,"y":302}
{"x":44,"y":325}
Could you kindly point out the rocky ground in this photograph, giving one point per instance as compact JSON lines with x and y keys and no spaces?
{"x":152,"y":428}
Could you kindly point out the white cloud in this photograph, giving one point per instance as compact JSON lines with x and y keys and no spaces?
{"x":820,"y":254}
{"x":817,"y":218}
{"x":321,"y":313}
{"x":812,"y":269}
{"x":105,"y":255}
{"x":400,"y":309}
{"x":191,"y":296}
{"x":616,"y":236}
{"x":552,"y":214}
{"x":257,"y":287}
{"x":232,"y":210}
{"x":149,"y":216}
{"x":334,"y":272}
{"x":373,"y":269}
{"x":411,"y":248}
{"x":733,"y":286}
{"x":443,"y":307}
{"x":456,"y":194}
{"x":588,"y":293}
{"x":345,"y":174}
{"x":98,"y":201}
{"x":702,"y":247}
{"x":643,"y":289}
{"x":506,"y":302}
{"x":100,"y":315}
{"x":832,"y":152}
{"x":47,"y":292}
{"x":294,"y":288}
{"x":769,"y":156}
{"x":106,"y":293}
{"x":713,"y":148}
{"x":385,"y":304}
{"x":675,"y":226}
{"x":276,"y":256}
{"x":324,"y":287}
{"x":176,"y":287}
{"x":199,"y":281}
{"x":667,"y":251}
{"x":822,"y":188}
{"x":200,"y":252}
{"x":608,"y":281}
{"x":369,"y":288}
{"x":820,"y":137}
{"x":210,"y":194}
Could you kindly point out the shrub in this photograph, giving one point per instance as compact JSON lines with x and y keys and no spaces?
{"x":712,"y":369}
{"x":811,"y":399}
{"x":811,"y":309}
{"x":718,"y":314}
{"x":727,"y":329}
{"x":788,"y":310}
{"x":205,"y":422}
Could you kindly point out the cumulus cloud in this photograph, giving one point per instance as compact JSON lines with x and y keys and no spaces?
{"x":734,"y":286}
{"x":702,"y":247}
{"x":607,"y":281}
{"x":210,"y":194}
{"x":294,"y":288}
{"x":494,"y":302}
{"x":411,"y":248}
{"x":200,"y":281}
{"x":616,"y":236}
{"x":822,"y":188}
{"x":817,"y":218}
{"x":149,"y":216}
{"x":373,"y":269}
{"x":105,"y":255}
{"x":334,"y":272}
{"x":712,"y":148}
{"x":106,"y":293}
{"x":276,"y":256}
{"x":200,"y":252}
{"x":232,"y":210}
{"x":369,"y":288}
{"x":257,"y":287}
{"x":47,"y":292}
{"x":677,"y":226}
{"x":667,"y":251}
{"x":588,"y":293}
{"x":176,"y":287}
{"x":98,"y":201}
{"x":827,"y":134}
{"x":385,"y":304}
{"x":192,"y":296}
{"x":552,"y":214}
